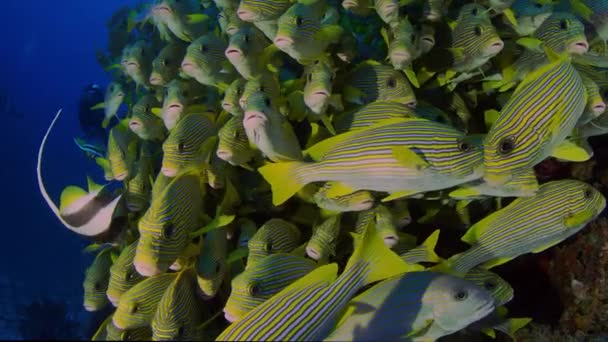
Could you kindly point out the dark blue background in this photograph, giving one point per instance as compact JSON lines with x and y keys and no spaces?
{"x":47,"y":56}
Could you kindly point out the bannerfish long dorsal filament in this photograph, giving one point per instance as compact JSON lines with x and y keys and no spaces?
{"x":90,"y":215}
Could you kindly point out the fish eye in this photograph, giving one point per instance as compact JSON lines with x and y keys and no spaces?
{"x":203,"y":48}
{"x":220,"y":15}
{"x":461,"y":295}
{"x":181,"y":147}
{"x":246,"y":38}
{"x":147,"y":108}
{"x":97,"y":286}
{"x":130,"y":275}
{"x":506,"y":145}
{"x":166,"y":61}
{"x":310,"y":77}
{"x":166,"y":92}
{"x":299,"y":21}
{"x":563,"y":24}
{"x":268,"y":247}
{"x":255,"y":290}
{"x":196,"y":240}
{"x":316,"y":62}
{"x":168,"y":230}
{"x":588,"y":193}
{"x":391,"y":83}
{"x":217,"y":267}
{"x":261,"y":88}
{"x":185,"y":93}
{"x":267,"y":101}
{"x":474,"y":12}
{"x":180,"y":331}
{"x":413,"y":37}
{"x":464,"y":146}
{"x":489,"y":285}
{"x":133,"y":308}
{"x":478,"y":30}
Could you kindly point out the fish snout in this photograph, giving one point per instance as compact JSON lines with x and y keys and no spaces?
{"x":224,"y":154}
{"x":114,"y":300}
{"x":146,"y":269}
{"x":188,"y":66}
{"x":364,"y":205}
{"x":495,"y":47}
{"x":412,"y":104}
{"x":89,"y":307}
{"x":156,"y":79}
{"x":391,"y":240}
{"x":400,"y":57}
{"x":349,"y":4}
{"x":135,"y":125}
{"x":121,"y":176}
{"x":579,"y":47}
{"x":227,"y":106}
{"x":169,"y":172}
{"x":313,"y":253}
{"x":599,"y":108}
{"x":229,"y":317}
{"x":283,"y":42}
{"x":245,"y":15}
{"x":233,"y":53}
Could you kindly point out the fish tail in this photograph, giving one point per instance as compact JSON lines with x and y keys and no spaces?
{"x":429,"y":245}
{"x":283,"y":179}
{"x":105,"y":123}
{"x":379,"y":261}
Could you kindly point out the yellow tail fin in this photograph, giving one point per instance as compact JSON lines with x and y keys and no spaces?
{"x":281,"y":178}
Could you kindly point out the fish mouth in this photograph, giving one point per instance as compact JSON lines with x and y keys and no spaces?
{"x":321,"y":93}
{"x":229,"y":317}
{"x":174,"y":107}
{"x":431,"y":15}
{"x":223,"y":154}
{"x":411,"y":104}
{"x":245,"y":15}
{"x":117,"y":324}
{"x":121,"y":176}
{"x":349,"y":4}
{"x":254,"y":115}
{"x":155,"y":79}
{"x":282,"y":42}
{"x":390,"y":10}
{"x":599,"y":108}
{"x":89,"y":307}
{"x":227,"y":106}
{"x":232,"y":30}
{"x":145,"y":269}
{"x":162,"y":10}
{"x":313,"y":253}
{"x":188,"y":66}
{"x":495,"y":48}
{"x":400,"y":58}
{"x":169,"y":172}
{"x":233,"y":53}
{"x":113,"y":300}
{"x":391,"y":240}
{"x":579,"y":47}
{"x":135,"y":125}
{"x":364,"y":205}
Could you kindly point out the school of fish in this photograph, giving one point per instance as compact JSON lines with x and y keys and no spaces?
{"x":260,"y":185}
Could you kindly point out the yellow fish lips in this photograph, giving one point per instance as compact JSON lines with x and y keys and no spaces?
{"x":156,"y":79}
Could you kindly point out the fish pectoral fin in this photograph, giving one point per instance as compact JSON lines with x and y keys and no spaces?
{"x":490,"y":116}
{"x":530,"y":43}
{"x":411,"y":76}
{"x":197,"y":18}
{"x":335,"y":101}
{"x":98,"y":106}
{"x":465,"y":192}
{"x":384,"y":35}
{"x":327,"y":122}
{"x":489,"y":331}
{"x":569,"y":151}
{"x":578,"y":219}
{"x":354,"y":95}
{"x":398,"y":195}
{"x":338,"y":189}
{"x":409,"y":158}
{"x":69,"y":195}
{"x":421,"y":330}
{"x":510,"y":16}
{"x":424,"y":75}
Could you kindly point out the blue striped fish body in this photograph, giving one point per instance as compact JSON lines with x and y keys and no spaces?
{"x":179,"y":95}
{"x":531,"y":224}
{"x":233,"y":146}
{"x":165,"y":67}
{"x":356,"y":201}
{"x":173,"y":16}
{"x":178,"y":314}
{"x":139,"y":187}
{"x":275,"y":236}
{"x":309,"y":307}
{"x":228,"y":21}
{"x":382,"y":220}
{"x":371,"y":81}
{"x":136,"y":334}
{"x":371,"y":114}
{"x":523,"y":185}
{"x":188,"y":143}
{"x":268,"y":84}
{"x":403,"y":155}
{"x":322,"y":243}
{"x":166,"y":226}
{"x":211,"y":265}
{"x":319,"y":85}
{"x":145,"y":124}
{"x":138,"y":305}
{"x":122,"y":144}
{"x":406,"y":43}
{"x":419,"y":305}
{"x":538,"y":117}
{"x":270,"y":131}
{"x":245,"y":51}
{"x":262,"y":10}
{"x":500,"y":289}
{"x":96,"y":279}
{"x":136,"y":62}
{"x":595,"y":103}
{"x":263,"y":280}
{"x":123,"y":275}
{"x":302,"y":36}
{"x":233,"y":93}
{"x":205,"y":62}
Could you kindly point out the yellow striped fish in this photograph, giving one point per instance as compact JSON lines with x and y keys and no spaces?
{"x":401,"y":156}
{"x":538,"y":117}
{"x":144,"y":123}
{"x":165,"y":228}
{"x":523,"y":185}
{"x":96,"y":280}
{"x":178,"y":315}
{"x":267,"y":84}
{"x":249,"y":52}
{"x":275,"y":236}
{"x":595,"y":103}
{"x":233,"y":145}
{"x":371,"y":114}
{"x":211,"y":265}
{"x":179,"y":95}
{"x":320,"y":76}
{"x":529,"y":225}
{"x":261,"y":10}
{"x":263,"y":280}
{"x":182,"y":18}
{"x":113,"y":98}
{"x":415,"y":305}
{"x":123,"y":275}
{"x":138,"y":305}
{"x":407,"y":43}
{"x":302,"y":36}
{"x":232,"y":95}
{"x":206,"y":63}
{"x":229,"y":21}
{"x":382,"y":220}
{"x":165,"y":67}
{"x":322,"y":243}
{"x":268,"y":130}
{"x":188,"y":143}
{"x":493,"y":283}
{"x":139,"y":187}
{"x":401,"y":213}
{"x":291,"y":315}
{"x":122,"y":150}
{"x":371,"y":81}
{"x":356,"y":201}
{"x":136,"y":62}
{"x":530,"y":15}
{"x":136,"y":334}
{"x":423,"y":253}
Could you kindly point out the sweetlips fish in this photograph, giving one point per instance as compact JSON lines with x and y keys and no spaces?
{"x":139,"y":186}
{"x":165,"y":229}
{"x":229,"y":21}
{"x":179,"y":18}
{"x":112,"y":333}
{"x":113,"y":98}
{"x":123,"y":275}
{"x":356,"y":201}
{"x":144,"y":123}
{"x":211,"y":266}
{"x":318,"y":88}
{"x":258,"y":283}
{"x":499,"y":288}
{"x":529,"y":224}
{"x":383,"y":223}
{"x":417,"y":305}
{"x":233,"y":145}
{"x":400,"y":156}
{"x":262,"y":10}
{"x":178,"y":316}
{"x":372,"y":113}
{"x":138,"y":305}
{"x":206,"y":63}
{"x":407,"y":43}
{"x":275,"y":236}
{"x":595,"y":103}
{"x":322,"y":243}
{"x":249,"y":52}
{"x":136,"y":62}
{"x":179,"y":95}
{"x":165,"y":67}
{"x":307,"y":320}
{"x":232,"y":95}
{"x":96,"y":281}
{"x":122,"y":149}
{"x":529,"y":15}
{"x":535,"y":121}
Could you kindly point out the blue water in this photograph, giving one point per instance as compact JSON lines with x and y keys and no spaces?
{"x":47,"y":57}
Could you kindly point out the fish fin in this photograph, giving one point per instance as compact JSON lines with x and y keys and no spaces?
{"x":327,"y":122}
{"x":197,"y":18}
{"x":510,"y":16}
{"x":399,"y":194}
{"x":512,"y":325}
{"x":471,"y":235}
{"x":281,"y":178}
{"x":69,"y":195}
{"x":428,"y":246}
{"x":378,"y":259}
{"x":112,"y":66}
{"x":582,"y":9}
{"x":338,"y":189}
{"x":490,"y":116}
{"x":93,"y":187}
{"x":98,"y":106}
{"x":105,"y":122}
{"x":424,"y":75}
{"x":411,"y":76}
{"x":409,"y":158}
{"x":218,"y":222}
{"x":335,"y":101}
{"x":105,"y":166}
{"x":490,"y":332}
{"x":384,"y":34}
{"x":156,"y":111}
{"x":570,"y":151}
{"x":530,"y":43}
{"x":578,"y":219}
{"x":237,"y":254}
{"x":354,"y":95}
{"x":331,"y":33}
{"x":500,"y":261}
{"x":465,"y":192}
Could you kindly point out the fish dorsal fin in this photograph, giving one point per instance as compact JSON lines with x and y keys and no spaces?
{"x":70,"y":195}
{"x":93,"y":187}
{"x":471,"y":236}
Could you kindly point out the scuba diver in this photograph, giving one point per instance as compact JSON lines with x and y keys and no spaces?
{"x":95,"y":137}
